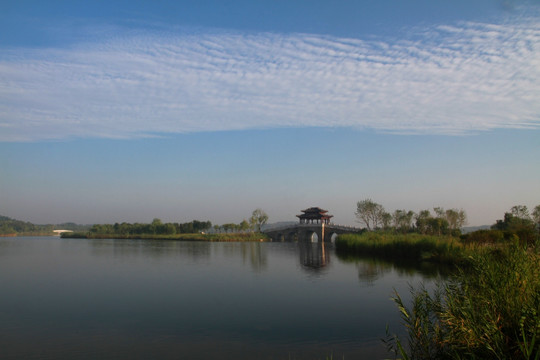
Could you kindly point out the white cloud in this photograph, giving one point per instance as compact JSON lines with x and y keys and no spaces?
{"x":443,"y":80}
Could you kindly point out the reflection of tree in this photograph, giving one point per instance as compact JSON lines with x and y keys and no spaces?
{"x":403,"y":267}
{"x":149,"y":248}
{"x":313,"y":255}
{"x":256,"y":254}
{"x":369,"y":272}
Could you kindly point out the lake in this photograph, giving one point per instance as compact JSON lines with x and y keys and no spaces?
{"x":150,"y":299}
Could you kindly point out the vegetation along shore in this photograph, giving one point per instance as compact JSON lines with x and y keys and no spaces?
{"x":489,"y":307}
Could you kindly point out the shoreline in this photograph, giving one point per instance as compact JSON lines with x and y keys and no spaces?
{"x":240,"y":237}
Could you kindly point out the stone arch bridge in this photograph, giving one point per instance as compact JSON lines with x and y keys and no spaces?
{"x":305,"y":232}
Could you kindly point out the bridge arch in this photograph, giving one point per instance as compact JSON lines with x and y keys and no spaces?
{"x":292,"y":236}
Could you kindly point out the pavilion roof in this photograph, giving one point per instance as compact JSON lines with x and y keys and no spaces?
{"x":314,"y":213}
{"x":315,"y":209}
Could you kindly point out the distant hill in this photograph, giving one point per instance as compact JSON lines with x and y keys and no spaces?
{"x":9,"y":226}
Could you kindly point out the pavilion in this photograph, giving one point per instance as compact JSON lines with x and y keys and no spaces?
{"x":314,"y":215}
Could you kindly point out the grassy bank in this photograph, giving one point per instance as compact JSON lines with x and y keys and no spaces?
{"x":183,"y":237}
{"x":404,"y":247}
{"x":490,"y":311}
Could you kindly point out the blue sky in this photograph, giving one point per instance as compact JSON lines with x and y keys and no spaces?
{"x":129,"y":110}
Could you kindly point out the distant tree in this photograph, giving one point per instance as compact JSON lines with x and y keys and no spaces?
{"x":451,"y":221}
{"x":369,"y":213}
{"x":422,"y":221}
{"x":456,"y":218}
{"x":169,"y":229}
{"x":258,"y":219}
{"x":403,"y":220}
{"x":437,"y":226}
{"x":518,"y":222}
{"x":199,"y":226}
{"x":230,"y":227}
{"x":386,"y":220}
{"x":244,"y":225}
{"x":520,"y":211}
{"x":439,"y":212}
{"x":396,"y":218}
{"x":536,"y":216}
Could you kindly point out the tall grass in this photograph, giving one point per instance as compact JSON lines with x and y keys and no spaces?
{"x":403,"y":247}
{"x":489,"y":311}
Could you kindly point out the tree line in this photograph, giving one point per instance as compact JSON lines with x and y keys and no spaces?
{"x":442,"y":222}
{"x":517,"y":224}
{"x":158,"y":227}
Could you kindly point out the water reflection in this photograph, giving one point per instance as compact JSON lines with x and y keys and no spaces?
{"x":110,"y":299}
{"x":253,"y":253}
{"x":149,"y":248}
{"x":369,"y":272}
{"x":313,"y":255}
{"x":370,"y":269}
{"x":6,"y":245}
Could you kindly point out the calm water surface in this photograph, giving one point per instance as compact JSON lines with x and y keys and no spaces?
{"x":148,"y":299}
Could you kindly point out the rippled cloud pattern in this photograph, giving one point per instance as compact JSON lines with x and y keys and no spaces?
{"x":452,"y":79}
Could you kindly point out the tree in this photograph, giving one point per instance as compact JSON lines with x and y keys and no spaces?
{"x":244,"y":225}
{"x":520,"y":211}
{"x":230,"y":227}
{"x":452,"y":220}
{"x":518,"y":222}
{"x":456,"y":218}
{"x":258,"y":218}
{"x":439,"y":211}
{"x":536,"y":215}
{"x":369,"y":213}
{"x":386,"y":220}
{"x":422,"y":221}
{"x":437,"y":226}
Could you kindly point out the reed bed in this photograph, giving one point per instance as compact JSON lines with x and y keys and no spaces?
{"x":489,"y":311}
{"x":404,"y":247}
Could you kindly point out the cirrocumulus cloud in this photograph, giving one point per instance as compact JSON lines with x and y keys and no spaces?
{"x":451,"y":79}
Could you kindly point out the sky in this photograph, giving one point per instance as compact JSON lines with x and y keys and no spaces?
{"x":115,"y":111}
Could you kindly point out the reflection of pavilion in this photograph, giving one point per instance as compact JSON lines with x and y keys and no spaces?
{"x":313,"y":255}
{"x":314,"y":215}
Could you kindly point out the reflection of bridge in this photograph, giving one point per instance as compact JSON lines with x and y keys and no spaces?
{"x":305,"y":232}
